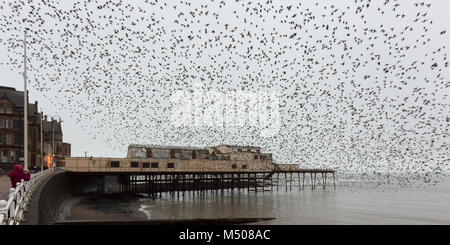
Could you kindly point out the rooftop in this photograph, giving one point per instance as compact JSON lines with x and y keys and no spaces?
{"x":16,"y":97}
{"x":47,"y":126}
{"x":164,"y":147}
{"x":241,"y":146}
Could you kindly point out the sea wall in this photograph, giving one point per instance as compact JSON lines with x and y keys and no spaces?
{"x":51,"y":198}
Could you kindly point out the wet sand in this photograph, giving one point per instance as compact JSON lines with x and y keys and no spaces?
{"x":111,"y":208}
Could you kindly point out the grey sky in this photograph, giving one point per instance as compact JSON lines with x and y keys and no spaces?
{"x":154,"y":64}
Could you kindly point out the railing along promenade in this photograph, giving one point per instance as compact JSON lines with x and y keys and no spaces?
{"x":12,"y":210}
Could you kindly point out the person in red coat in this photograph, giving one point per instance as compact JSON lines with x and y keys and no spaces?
{"x":17,"y":175}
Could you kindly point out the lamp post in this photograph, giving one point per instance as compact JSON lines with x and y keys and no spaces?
{"x":25,"y":102}
{"x":53,"y":145}
{"x":42,"y":146}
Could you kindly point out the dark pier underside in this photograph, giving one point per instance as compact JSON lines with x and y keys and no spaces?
{"x":152,"y":183}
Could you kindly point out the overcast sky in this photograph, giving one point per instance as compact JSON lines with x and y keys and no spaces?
{"x":306,"y":133}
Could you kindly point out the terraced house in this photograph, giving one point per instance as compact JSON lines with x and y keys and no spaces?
{"x":12,"y":130}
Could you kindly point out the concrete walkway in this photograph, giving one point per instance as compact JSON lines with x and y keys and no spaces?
{"x":5,"y":185}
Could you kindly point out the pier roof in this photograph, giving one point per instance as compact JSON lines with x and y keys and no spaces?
{"x":164,"y":147}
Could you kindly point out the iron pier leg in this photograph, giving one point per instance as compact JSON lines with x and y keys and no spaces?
{"x":248,"y":183}
{"x":278,"y":180}
{"x":285,"y":180}
{"x":271,"y":182}
{"x":323,"y":182}
{"x":315,"y":179}
{"x":303,"y":187}
{"x":161,"y":184}
{"x":334,"y":183}
{"x":256,"y":184}
{"x":290,"y":183}
{"x":232,"y":182}
{"x":263,"y":184}
{"x":239,"y":183}
{"x":221,"y":183}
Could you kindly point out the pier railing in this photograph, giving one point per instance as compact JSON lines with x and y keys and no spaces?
{"x":12,"y":210}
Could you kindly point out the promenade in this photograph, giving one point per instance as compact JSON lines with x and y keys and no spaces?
{"x":5,"y":185}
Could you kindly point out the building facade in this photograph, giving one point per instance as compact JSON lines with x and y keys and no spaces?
{"x":155,"y":158}
{"x":53,"y":137}
{"x":12,"y":130}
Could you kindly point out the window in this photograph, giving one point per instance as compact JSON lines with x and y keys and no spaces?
{"x":2,"y":109}
{"x":258,"y":151}
{"x":2,"y":123}
{"x":154,"y":165}
{"x":194,"y":154}
{"x":170,"y":165}
{"x":9,"y":139}
{"x":9,"y":123}
{"x":256,"y":157}
{"x":8,"y":110}
{"x":5,"y":156}
{"x":149,"y":152}
{"x":11,"y":156}
{"x":146,"y":165}
{"x":172,"y":153}
{"x":115,"y":164}
{"x":260,"y":157}
{"x":239,"y":150}
{"x":2,"y":138}
{"x":234,"y":166}
{"x":134,"y":164}
{"x":244,"y":166}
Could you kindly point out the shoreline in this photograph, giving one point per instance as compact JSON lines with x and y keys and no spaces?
{"x":212,"y":221}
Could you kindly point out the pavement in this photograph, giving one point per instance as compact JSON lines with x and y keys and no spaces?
{"x":5,"y":185}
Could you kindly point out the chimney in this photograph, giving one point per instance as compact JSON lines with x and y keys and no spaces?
{"x":45,"y":117}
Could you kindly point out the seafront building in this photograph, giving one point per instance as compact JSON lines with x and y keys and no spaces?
{"x":53,"y":134}
{"x":157,"y":158}
{"x":12,"y":133}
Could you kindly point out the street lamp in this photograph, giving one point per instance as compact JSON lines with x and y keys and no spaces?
{"x":25,"y":103}
{"x":42,"y":145}
{"x":53,"y":145}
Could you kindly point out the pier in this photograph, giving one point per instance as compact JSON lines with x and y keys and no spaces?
{"x":154,"y":169}
{"x":179,"y":183}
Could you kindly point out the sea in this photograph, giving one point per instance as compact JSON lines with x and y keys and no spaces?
{"x":350,"y":203}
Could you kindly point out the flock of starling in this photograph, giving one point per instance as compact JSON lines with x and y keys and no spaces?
{"x":363,"y":85}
